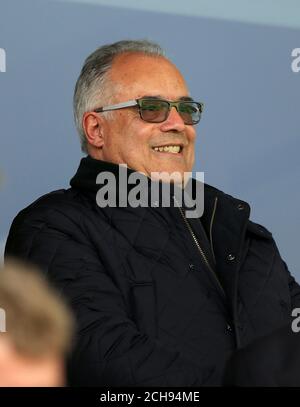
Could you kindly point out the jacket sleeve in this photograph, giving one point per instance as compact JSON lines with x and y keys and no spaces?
{"x":109,"y":349}
{"x":294,"y":287}
{"x":270,"y":361}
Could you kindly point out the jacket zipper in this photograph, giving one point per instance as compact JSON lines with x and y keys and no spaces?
{"x":200,"y":248}
{"x":210,"y":228}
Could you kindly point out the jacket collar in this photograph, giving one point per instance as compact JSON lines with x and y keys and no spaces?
{"x":227,"y":207}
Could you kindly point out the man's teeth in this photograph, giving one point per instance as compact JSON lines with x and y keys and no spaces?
{"x":168,"y":149}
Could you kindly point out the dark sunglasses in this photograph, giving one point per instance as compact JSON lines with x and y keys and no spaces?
{"x":158,"y":110}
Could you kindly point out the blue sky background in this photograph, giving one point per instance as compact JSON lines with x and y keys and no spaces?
{"x":248,"y":141}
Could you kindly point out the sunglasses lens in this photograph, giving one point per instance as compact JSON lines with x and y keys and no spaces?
{"x":190,"y":112}
{"x":157,"y":111}
{"x":154,"y":111}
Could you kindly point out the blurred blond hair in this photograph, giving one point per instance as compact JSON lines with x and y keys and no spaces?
{"x":37,"y":322}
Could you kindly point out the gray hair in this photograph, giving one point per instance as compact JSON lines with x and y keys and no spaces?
{"x":91,"y":86}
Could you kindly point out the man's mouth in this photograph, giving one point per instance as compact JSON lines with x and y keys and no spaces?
{"x":174,"y":149}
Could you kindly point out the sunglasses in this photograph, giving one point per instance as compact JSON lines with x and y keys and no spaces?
{"x":158,"y":110}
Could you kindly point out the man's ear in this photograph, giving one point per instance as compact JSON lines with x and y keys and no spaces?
{"x":93,"y":125}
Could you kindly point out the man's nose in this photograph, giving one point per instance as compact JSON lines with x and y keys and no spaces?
{"x":173,"y":122}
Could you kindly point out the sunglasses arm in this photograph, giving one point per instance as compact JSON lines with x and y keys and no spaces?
{"x":122,"y":105}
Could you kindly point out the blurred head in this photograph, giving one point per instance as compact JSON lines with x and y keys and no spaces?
{"x":125,"y":71}
{"x":35,"y":332}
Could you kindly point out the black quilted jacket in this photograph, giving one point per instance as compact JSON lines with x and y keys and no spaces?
{"x":150,"y":309}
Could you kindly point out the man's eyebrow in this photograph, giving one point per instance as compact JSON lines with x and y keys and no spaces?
{"x":186,"y":98}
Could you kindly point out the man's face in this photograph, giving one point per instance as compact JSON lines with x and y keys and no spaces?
{"x":127,"y":138}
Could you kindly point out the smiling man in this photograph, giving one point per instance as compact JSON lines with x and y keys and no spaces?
{"x":163,"y":142}
{"x":159,"y":299}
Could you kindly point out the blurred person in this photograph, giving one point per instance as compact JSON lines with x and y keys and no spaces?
{"x":35,"y":332}
{"x":159,"y":298}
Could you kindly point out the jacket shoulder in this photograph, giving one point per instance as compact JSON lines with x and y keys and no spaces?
{"x":58,"y":212}
{"x":62,"y":200}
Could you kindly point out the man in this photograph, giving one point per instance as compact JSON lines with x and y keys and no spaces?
{"x":35,"y":330}
{"x":159,"y":298}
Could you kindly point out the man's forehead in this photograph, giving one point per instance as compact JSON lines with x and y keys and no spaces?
{"x":138,"y":64}
{"x":142,"y":75}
